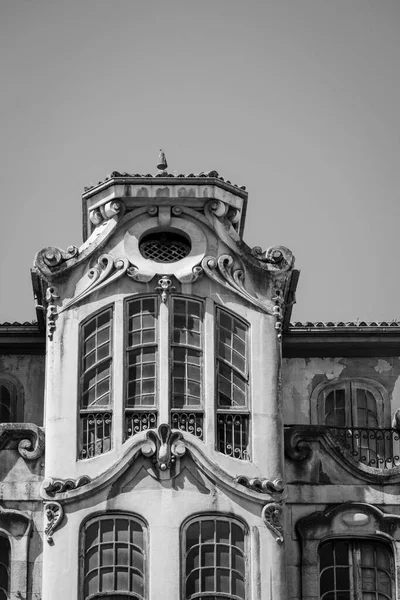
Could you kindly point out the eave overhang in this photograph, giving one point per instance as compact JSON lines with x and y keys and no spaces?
{"x":22,"y":339}
{"x":303,"y":342}
{"x":126,"y":189}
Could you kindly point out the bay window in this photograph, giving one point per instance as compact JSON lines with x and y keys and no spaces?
{"x":214,"y":559}
{"x":186,"y":373}
{"x":163,"y":375}
{"x":232,"y":386}
{"x":95,"y":398}
{"x":141,"y":365}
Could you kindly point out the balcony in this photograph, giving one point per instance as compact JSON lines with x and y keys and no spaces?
{"x":375,"y":448}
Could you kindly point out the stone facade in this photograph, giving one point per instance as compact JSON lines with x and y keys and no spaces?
{"x":196,"y":444}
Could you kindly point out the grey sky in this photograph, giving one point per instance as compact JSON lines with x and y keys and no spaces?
{"x":298,"y":100}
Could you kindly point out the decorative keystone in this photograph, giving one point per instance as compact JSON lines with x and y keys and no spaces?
{"x":165,"y":446}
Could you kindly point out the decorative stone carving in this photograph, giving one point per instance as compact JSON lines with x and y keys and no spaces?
{"x":277,"y":311}
{"x":54,"y":513}
{"x":221,"y":209}
{"x":263,"y":486}
{"x":28,"y":438}
{"x":51,"y":296}
{"x":106,"y":211}
{"x":60,"y":486}
{"x":103,"y":273}
{"x":272,"y":517}
{"x":278,"y":256}
{"x":53,"y":257}
{"x":222,"y":271}
{"x":165,"y":287}
{"x":164,"y":445}
{"x":196,"y":273}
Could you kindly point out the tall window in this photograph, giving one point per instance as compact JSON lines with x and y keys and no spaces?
{"x":96,"y":406}
{"x":4,"y":568}
{"x":358,"y":410}
{"x":8,"y":402}
{"x":355,"y":570}
{"x":186,"y":349}
{"x":140,"y":402}
{"x":232,"y":386}
{"x":114,"y":558}
{"x":350,"y":405}
{"x":214,"y":560}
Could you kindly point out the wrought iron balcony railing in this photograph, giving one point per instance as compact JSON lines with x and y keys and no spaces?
{"x":378,"y":448}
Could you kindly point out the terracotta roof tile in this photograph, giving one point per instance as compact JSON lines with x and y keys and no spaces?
{"x":202,"y":175}
{"x":337,"y":324}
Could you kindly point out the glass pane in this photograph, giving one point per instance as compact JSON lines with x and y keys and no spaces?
{"x":223,"y":556}
{"x":107,"y":530}
{"x":207,"y":580}
{"x":207,"y":556}
{"x":107,"y":579}
{"x":223,"y":580}
{"x":122,"y":579}
{"x":207,"y":531}
{"x":106,"y":555}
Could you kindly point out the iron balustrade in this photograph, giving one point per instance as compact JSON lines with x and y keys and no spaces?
{"x":373,"y":447}
{"x":233,"y":435}
{"x":188,"y":421}
{"x":95,"y":434}
{"x":139,"y":421}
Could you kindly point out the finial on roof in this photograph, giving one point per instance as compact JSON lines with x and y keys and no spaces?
{"x":162,"y":161}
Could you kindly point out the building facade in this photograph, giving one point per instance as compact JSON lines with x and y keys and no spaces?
{"x":166,"y":432}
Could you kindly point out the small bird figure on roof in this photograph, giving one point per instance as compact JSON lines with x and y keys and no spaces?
{"x":162,"y":161}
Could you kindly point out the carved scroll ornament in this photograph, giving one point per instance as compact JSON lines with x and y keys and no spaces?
{"x":60,"y":486}
{"x":52,"y":296}
{"x":103,"y":273}
{"x":54,"y":513}
{"x":263,"y":486}
{"x":272,"y":515}
{"x":27,"y":437}
{"x":165,"y":446}
{"x":222,"y":270}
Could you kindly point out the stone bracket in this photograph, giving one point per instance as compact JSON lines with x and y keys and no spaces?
{"x":28,"y":438}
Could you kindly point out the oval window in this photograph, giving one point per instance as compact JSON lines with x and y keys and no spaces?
{"x":164,"y":247}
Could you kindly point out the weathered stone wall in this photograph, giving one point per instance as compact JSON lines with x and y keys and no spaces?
{"x":29,"y":371}
{"x":323,"y":479}
{"x":300,"y":376}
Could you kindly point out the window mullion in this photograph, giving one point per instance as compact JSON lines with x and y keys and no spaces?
{"x":209,"y":377}
{"x":355,"y":569}
{"x":164,"y":361}
{"x":118,"y":377}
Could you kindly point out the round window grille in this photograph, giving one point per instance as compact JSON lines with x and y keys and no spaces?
{"x":164,"y":247}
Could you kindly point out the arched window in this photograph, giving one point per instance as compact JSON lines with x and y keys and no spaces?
{"x":357,"y":411}
{"x":4,"y":568}
{"x":350,"y":404}
{"x":8,"y":402}
{"x":232,"y":386}
{"x":214,"y":559}
{"x":95,"y":382}
{"x":355,"y":570}
{"x":114,"y":550}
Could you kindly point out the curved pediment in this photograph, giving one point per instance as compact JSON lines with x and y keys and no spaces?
{"x":164,"y":448}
